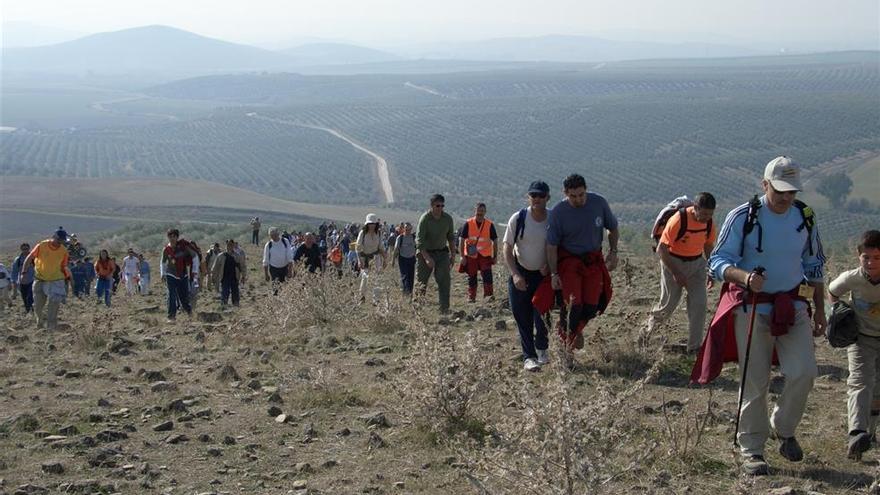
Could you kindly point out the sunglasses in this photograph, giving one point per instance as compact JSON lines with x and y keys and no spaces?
{"x":440,"y":206}
{"x":538,"y":195}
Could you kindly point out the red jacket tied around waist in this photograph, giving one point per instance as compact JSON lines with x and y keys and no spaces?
{"x":719,"y":346}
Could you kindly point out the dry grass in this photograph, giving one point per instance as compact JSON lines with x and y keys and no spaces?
{"x":462,"y":416}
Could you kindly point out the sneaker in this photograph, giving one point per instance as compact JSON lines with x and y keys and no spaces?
{"x":859,"y":442}
{"x":531,"y":364}
{"x":755,"y":465}
{"x":543,"y":357}
{"x":579,"y":340}
{"x":791,"y":449}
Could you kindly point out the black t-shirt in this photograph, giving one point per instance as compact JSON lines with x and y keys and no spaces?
{"x":229,"y":269}
{"x":312,"y":256}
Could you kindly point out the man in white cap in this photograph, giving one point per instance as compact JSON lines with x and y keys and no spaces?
{"x":770,"y":258}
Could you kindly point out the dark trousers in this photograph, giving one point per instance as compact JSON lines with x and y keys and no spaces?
{"x":79,"y":286}
{"x":277,"y":276}
{"x":27,"y":296}
{"x":255,"y":237}
{"x":407,"y":268}
{"x":532,"y":330}
{"x":178,"y":293}
{"x":228,"y":287}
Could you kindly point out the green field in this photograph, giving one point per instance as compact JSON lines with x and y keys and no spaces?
{"x":640,"y":132}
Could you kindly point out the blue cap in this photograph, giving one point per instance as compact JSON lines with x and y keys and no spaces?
{"x":61,"y":234}
{"x":539,"y":187}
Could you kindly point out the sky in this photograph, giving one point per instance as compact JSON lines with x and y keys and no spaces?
{"x":835,"y":24}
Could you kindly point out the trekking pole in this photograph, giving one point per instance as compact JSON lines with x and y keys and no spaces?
{"x":742,"y":382}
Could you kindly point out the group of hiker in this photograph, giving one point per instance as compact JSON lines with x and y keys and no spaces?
{"x":767,"y":254}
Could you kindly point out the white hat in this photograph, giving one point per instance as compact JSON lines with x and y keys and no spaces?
{"x":783,"y":174}
{"x":371,"y":218}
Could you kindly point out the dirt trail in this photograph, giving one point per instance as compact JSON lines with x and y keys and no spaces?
{"x":428,"y":90}
{"x":381,"y":164}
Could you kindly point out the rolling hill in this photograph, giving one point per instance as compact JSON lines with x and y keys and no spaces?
{"x":143,"y":49}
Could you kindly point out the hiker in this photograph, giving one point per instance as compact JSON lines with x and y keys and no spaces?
{"x":404,"y":254}
{"x":195,"y":278}
{"x":255,"y":231}
{"x":478,"y":243}
{"x":525,"y":254}
{"x":684,"y":247}
{"x":369,"y":242}
{"x":277,"y":259}
{"x":79,"y":273}
{"x":51,"y":276}
{"x":130,"y":271}
{"x":209,"y":261}
{"x":777,"y":233}
{"x":90,"y":274}
{"x":144,"y":272}
{"x":353,"y":260}
{"x":863,"y":395}
{"x":310,"y":254}
{"x":228,"y":269}
{"x":116,"y":274}
{"x":370,"y":248}
{"x":23,"y":277}
{"x":435,"y":249}
{"x":104,"y":269}
{"x":5,"y":289}
{"x":574,"y":255}
{"x":180,"y":260}
{"x":335,"y":258}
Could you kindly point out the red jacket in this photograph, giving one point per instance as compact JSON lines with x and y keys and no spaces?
{"x":719,"y":346}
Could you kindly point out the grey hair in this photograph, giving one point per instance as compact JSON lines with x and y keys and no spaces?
{"x":273,"y":230}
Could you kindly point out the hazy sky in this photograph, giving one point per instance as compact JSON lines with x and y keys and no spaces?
{"x":387,"y":22}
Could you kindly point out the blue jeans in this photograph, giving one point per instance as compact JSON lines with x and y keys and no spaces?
{"x":228,"y":288}
{"x":104,"y":288}
{"x":532,"y":330}
{"x":79,"y":286}
{"x":178,"y":295}
{"x":407,"y":268}
{"x":27,"y":296}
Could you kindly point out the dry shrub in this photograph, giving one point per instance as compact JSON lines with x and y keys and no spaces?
{"x":561,"y":441}
{"x":446,"y":386}
{"x":683,"y":429}
{"x":97,"y":333}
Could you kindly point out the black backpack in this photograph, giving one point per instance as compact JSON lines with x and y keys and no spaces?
{"x":843,"y":328}
{"x":807,"y":215}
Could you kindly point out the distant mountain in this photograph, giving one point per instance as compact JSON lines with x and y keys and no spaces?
{"x":145,"y":49}
{"x":557,"y":48}
{"x":19,"y":33}
{"x":337,"y":54}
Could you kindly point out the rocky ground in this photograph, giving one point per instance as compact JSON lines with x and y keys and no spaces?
{"x":305,"y":397}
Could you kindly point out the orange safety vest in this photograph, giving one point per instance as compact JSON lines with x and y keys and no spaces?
{"x":479,"y":239}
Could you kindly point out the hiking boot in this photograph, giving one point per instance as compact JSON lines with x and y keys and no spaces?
{"x":543,"y":357}
{"x":579,"y":340}
{"x":791,"y":449}
{"x":531,"y":364}
{"x":755,"y":465}
{"x":859,"y":442}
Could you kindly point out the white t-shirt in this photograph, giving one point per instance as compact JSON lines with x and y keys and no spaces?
{"x":4,"y":281}
{"x":279,"y":256}
{"x":865,"y":298}
{"x":531,"y":249}
{"x":129,"y":265}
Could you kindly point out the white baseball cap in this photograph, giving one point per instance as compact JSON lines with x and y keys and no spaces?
{"x":783,"y":174}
